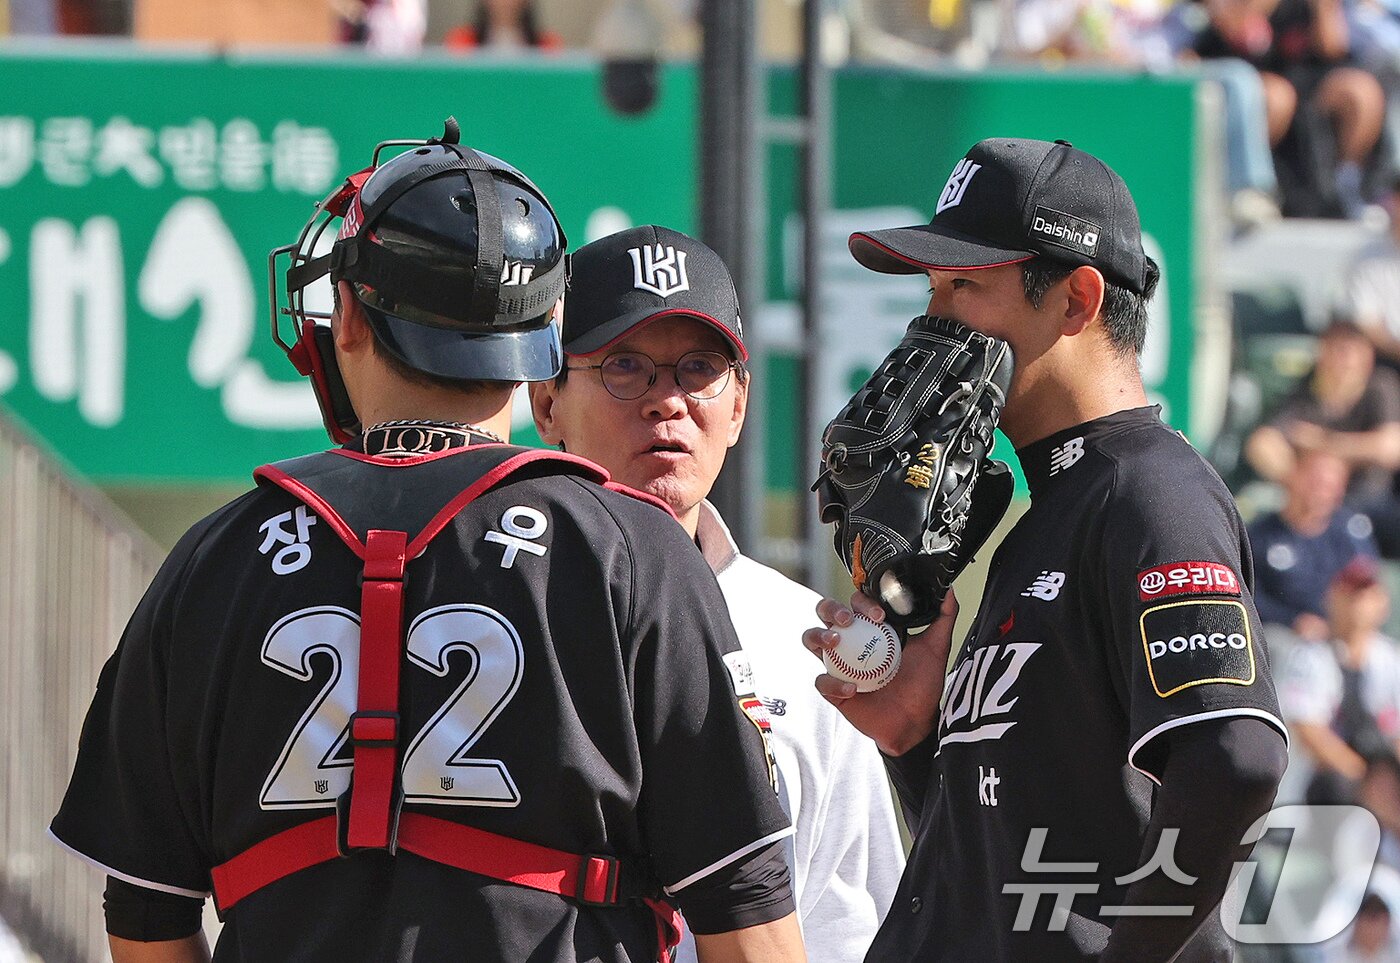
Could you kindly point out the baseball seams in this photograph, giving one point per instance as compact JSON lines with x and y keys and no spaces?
{"x":867,"y":655}
{"x":862,"y":674}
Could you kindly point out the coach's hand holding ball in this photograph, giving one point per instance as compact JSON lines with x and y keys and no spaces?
{"x":903,"y":710}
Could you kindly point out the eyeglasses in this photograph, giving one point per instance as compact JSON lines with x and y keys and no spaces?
{"x":627,"y":375}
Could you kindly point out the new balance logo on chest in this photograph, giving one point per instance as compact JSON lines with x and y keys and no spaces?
{"x":1065,"y":456}
{"x":1046,"y":586}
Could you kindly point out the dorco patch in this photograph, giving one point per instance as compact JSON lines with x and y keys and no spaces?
{"x":740,"y":673}
{"x":1197,"y":643}
{"x":1186,"y":578}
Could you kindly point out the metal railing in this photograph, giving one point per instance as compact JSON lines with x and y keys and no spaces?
{"x":72,"y":569}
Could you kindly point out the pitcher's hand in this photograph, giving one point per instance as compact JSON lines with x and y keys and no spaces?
{"x":899,"y":716}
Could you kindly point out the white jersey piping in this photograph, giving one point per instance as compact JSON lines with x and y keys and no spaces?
{"x":738,"y":854}
{"x":1268,"y":717}
{"x":134,"y":880}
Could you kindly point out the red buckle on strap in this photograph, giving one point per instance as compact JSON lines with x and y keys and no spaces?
{"x":351,"y":839}
{"x":374,"y":730}
{"x":385,"y":556}
{"x":597,"y":880}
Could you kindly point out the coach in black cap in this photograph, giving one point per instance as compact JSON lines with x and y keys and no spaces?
{"x":652,"y":330}
{"x":654,"y":390}
{"x":1110,"y":727}
{"x":629,"y":279}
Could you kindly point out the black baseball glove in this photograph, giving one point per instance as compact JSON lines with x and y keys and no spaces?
{"x":906,"y":476}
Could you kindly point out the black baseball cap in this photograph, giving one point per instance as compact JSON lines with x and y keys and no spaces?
{"x":625,"y":280}
{"x":1011,"y":200}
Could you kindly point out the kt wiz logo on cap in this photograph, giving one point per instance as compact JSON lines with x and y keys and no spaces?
{"x":659,"y":269}
{"x":953,"y":191}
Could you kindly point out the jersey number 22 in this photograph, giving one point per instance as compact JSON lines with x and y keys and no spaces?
{"x":314,"y":766}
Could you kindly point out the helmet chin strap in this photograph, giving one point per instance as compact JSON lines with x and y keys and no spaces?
{"x":314,"y":356}
{"x":312,"y":351}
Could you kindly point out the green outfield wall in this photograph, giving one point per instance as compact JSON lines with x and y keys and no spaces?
{"x":139,"y":196}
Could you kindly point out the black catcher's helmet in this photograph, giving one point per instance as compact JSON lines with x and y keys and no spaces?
{"x":457,"y":259}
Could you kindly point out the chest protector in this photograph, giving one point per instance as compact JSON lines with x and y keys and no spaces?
{"x":386,"y":511}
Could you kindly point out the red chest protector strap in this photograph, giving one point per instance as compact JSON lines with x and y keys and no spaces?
{"x":368,"y":814}
{"x":374,"y":726}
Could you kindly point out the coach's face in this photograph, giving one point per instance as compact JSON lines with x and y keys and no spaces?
{"x":665,"y":443}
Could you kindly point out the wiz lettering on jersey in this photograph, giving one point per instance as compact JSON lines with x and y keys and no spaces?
{"x":564,"y":683}
{"x":1117,"y":609}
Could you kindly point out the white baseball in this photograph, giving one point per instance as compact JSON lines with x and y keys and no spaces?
{"x":868,"y":654}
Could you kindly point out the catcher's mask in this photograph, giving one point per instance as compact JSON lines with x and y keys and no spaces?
{"x":456,"y":257}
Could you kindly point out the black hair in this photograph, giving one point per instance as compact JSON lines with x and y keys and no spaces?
{"x":1124,"y":312}
{"x":1373,"y":903}
{"x":529,"y":25}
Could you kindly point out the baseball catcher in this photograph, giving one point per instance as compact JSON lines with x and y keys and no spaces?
{"x":906,"y":477}
{"x":384,"y":734}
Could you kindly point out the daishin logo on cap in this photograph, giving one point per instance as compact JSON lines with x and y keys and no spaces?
{"x":659,"y":269}
{"x":956,"y":187}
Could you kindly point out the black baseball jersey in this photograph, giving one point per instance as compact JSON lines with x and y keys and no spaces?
{"x":569,"y":680}
{"x":1117,"y":609}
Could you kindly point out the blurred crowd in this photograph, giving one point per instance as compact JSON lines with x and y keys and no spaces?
{"x":1305,"y":85}
{"x":1319,"y":482}
{"x":389,"y":27}
{"x":1312,"y":117}
{"x":1309,"y":87}
{"x":383,"y":26}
